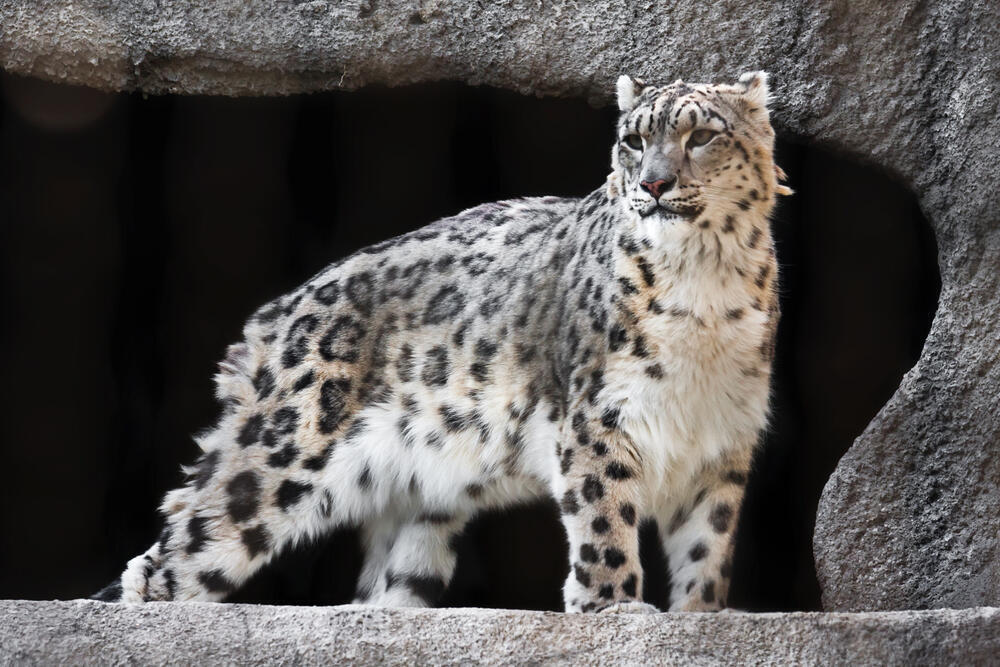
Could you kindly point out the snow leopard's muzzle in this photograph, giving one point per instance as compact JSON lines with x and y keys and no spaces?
{"x":663,"y":187}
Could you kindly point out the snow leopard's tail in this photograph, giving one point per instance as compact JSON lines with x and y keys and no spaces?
{"x":110,"y":593}
{"x":189,"y":560}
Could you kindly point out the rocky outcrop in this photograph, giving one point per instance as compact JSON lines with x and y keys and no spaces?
{"x":909,"y":519}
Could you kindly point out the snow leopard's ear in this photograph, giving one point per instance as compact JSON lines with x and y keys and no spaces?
{"x":751,"y":95}
{"x":755,"y":90}
{"x":628,"y":91}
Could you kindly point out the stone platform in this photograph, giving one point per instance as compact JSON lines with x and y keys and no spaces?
{"x":85,"y":632}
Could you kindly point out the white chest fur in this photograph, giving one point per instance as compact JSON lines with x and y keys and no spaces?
{"x":702,"y":385}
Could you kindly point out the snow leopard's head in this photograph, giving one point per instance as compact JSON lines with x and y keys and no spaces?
{"x":687,"y":153}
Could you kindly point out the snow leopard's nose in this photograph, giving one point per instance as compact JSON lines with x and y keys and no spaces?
{"x":658,"y":187}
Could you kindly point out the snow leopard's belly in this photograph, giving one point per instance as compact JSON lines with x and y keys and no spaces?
{"x":483,"y":458}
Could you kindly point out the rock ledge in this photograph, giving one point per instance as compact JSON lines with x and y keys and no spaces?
{"x":85,"y":632}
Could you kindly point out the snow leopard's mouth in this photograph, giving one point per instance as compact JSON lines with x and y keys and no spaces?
{"x":667,"y":212}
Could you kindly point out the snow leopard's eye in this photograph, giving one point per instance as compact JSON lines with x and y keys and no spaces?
{"x":700,"y":138}
{"x":633,"y":141}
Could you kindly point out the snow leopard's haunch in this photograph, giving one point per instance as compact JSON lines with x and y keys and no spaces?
{"x":613,"y":353}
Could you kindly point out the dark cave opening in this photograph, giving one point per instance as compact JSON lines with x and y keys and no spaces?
{"x":138,"y":234}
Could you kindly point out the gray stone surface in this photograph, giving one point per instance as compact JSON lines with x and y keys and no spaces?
{"x":910,"y":518}
{"x":84,"y":632}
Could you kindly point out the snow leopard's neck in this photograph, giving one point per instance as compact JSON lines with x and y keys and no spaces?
{"x":716,"y":243}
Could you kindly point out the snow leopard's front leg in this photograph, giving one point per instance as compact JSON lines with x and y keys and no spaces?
{"x":697,"y":533}
{"x":599,"y":491}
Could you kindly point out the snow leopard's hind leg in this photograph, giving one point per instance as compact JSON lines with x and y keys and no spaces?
{"x":409,"y":563}
{"x":697,"y":535}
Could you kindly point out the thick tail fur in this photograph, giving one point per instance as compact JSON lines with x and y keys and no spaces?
{"x":110,"y":593}
{"x":178,"y":565}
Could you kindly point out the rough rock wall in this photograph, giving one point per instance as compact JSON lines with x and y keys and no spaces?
{"x":909,"y":519}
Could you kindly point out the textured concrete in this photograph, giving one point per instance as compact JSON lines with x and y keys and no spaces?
{"x":84,"y":632}
{"x":909,"y":519}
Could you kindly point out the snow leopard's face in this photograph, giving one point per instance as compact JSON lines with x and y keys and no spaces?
{"x":686,"y":152}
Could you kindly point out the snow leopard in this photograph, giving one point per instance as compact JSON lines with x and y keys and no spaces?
{"x":612,"y":353}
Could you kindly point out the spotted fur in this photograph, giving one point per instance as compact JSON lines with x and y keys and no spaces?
{"x":611,"y":352}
